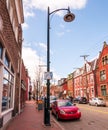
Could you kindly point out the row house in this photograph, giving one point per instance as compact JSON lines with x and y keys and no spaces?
{"x":84,"y":81}
{"x":78,"y":82}
{"x":11,"y":19}
{"x":70,"y":85}
{"x":102,"y":72}
{"x":91,"y":80}
{"x":24,"y":86}
{"x":62,"y":83}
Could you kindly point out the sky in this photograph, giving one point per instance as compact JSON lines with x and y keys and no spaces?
{"x":69,"y":41}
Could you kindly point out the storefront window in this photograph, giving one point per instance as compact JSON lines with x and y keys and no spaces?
{"x":7,"y":93}
{"x":6,"y":74}
{"x":1,"y":50}
{"x":6,"y":61}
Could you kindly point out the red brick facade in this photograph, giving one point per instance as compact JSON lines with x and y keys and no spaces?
{"x":24,"y":85}
{"x":11,"y":43}
{"x":102,"y":72}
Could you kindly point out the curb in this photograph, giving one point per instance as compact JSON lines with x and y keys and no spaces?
{"x":61,"y":127}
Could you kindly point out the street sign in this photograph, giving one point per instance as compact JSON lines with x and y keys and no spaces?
{"x":48,"y":75}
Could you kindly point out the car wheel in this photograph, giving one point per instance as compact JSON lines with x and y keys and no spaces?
{"x":52,"y":113}
{"x":96,"y":105}
{"x":78,"y":119}
{"x":57,"y":116}
{"x":78,"y":102}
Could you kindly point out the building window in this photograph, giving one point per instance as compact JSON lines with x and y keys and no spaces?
{"x":103,"y":90}
{"x":7,"y":82}
{"x":1,"y":51}
{"x":7,"y":91}
{"x":102,"y":75}
{"x":6,"y":61}
{"x":105,"y":60}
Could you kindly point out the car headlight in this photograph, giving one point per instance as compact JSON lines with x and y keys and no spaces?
{"x":62,"y":112}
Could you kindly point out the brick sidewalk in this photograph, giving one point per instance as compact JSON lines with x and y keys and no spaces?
{"x":32,"y":119}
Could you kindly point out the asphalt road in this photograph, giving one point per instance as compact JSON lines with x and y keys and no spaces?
{"x":93,"y":118}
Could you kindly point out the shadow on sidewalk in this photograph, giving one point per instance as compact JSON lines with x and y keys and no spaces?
{"x":31,"y":119}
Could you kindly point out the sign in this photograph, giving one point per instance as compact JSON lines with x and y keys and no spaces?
{"x":48,"y":75}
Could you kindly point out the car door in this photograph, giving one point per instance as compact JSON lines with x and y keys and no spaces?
{"x":94,"y":101}
{"x":54,"y":106}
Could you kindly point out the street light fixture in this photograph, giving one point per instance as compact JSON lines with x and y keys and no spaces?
{"x":69,"y":17}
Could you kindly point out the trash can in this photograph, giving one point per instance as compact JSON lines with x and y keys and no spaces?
{"x":40,"y":104}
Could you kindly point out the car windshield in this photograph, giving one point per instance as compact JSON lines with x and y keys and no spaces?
{"x":100,"y":98}
{"x":63,"y":103}
{"x":53,"y":98}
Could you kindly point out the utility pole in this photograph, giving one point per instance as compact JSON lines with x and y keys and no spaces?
{"x":85,"y":72}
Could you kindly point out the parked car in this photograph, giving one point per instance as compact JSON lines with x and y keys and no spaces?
{"x":97,"y":101}
{"x":64,"y":109}
{"x":52,"y":99}
{"x":80,"y":100}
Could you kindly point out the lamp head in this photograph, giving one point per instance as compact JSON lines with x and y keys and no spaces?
{"x":69,"y":17}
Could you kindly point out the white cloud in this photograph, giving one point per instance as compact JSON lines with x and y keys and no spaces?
{"x":60,"y":34}
{"x":68,"y":30}
{"x":31,"y":60}
{"x":30,"y":57}
{"x":43,"y":46}
{"x":62,"y":26}
{"x":30,"y":5}
{"x":25,"y":26}
{"x":54,"y":4}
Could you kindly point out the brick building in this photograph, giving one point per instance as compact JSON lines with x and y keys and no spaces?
{"x":11,"y":18}
{"x":70,"y":85}
{"x":102,"y":72}
{"x":24,"y":86}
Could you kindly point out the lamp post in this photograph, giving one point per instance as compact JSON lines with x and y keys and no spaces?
{"x":67,"y":18}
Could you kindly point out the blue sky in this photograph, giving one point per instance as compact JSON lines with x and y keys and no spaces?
{"x":68,"y":41}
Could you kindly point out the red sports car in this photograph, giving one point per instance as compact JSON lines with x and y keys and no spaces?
{"x":64,"y":109}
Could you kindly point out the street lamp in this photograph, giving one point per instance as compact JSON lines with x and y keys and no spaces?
{"x":67,"y":18}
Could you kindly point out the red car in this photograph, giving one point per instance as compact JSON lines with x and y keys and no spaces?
{"x":64,"y":109}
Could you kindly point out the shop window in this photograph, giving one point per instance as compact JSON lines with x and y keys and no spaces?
{"x":12,"y":69}
{"x":5,"y":95}
{"x":6,"y":61}
{"x":1,"y":51}
{"x":7,"y":91}
{"x":103,"y":90}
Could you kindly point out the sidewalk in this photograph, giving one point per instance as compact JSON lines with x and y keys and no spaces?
{"x":32,"y":119}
